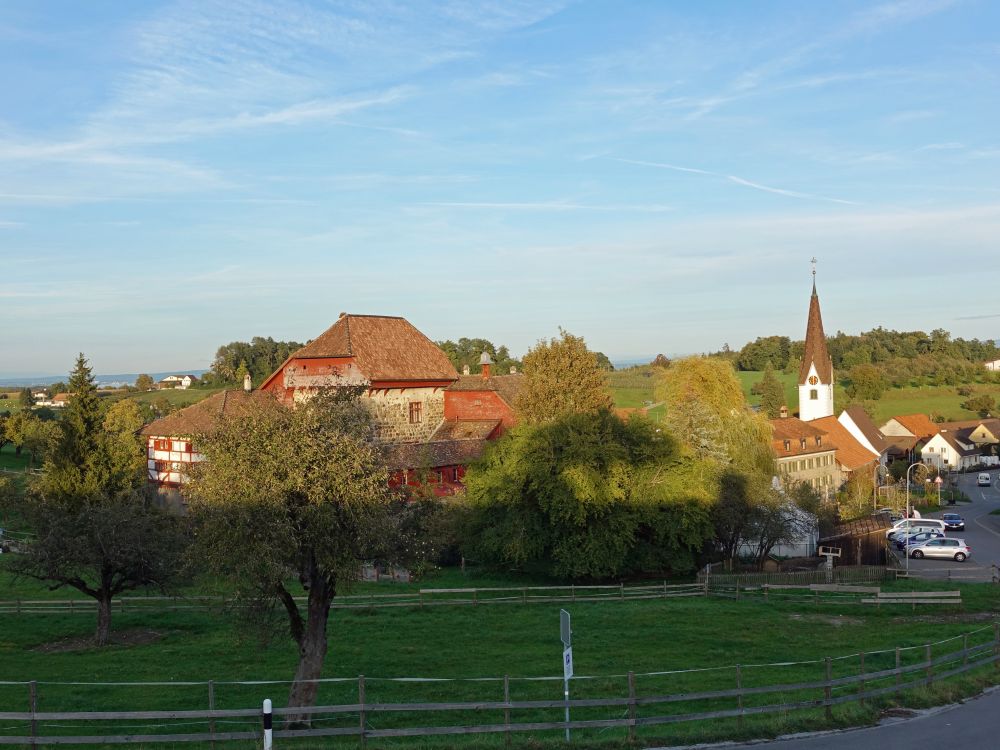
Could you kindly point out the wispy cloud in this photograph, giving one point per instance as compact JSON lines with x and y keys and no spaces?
{"x":978,"y":317}
{"x":549,"y":206}
{"x":10,"y":224}
{"x":741,"y":181}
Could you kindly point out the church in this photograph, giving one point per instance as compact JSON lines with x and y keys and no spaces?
{"x":817,"y":447}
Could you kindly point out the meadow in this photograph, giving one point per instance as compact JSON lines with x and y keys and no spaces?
{"x":176,"y":397}
{"x":455,"y":646}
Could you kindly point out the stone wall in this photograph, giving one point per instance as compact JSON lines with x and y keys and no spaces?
{"x":392,"y":412}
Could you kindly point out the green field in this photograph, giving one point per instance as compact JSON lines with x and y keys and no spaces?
{"x":457,"y":643}
{"x":175,"y":396}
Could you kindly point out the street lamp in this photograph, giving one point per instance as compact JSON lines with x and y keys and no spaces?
{"x":906,"y":547}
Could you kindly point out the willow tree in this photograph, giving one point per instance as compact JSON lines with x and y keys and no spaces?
{"x":292,"y":495}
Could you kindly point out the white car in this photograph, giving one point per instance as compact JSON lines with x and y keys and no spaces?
{"x":951,"y":549}
{"x":983,"y":480}
{"x":914,"y":526}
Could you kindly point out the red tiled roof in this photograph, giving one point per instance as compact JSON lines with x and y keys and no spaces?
{"x":850,"y":453}
{"x":384,"y":348}
{"x":864,"y":423}
{"x":431,"y":455}
{"x":204,"y":416}
{"x":465,"y":429}
{"x":919,"y":425}
{"x":794,"y":430}
{"x":505,"y":386}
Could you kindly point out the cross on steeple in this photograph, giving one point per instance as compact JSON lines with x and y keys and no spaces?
{"x":813,"y":261}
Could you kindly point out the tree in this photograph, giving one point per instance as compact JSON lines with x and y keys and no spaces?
{"x":96,"y":528}
{"x":562,"y":376}
{"x":241,"y":372}
{"x":661,"y":360}
{"x":144,"y":383}
{"x":983,"y":404}
{"x":24,"y":399}
{"x":586,"y":495}
{"x":466,"y":353}
{"x":262,"y":356}
{"x":866,"y":382}
{"x":771,"y":392}
{"x":299,"y":491}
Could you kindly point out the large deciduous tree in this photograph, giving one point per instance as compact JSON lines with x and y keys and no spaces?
{"x":96,"y":527}
{"x":292,"y":493}
{"x":144,"y":382}
{"x":586,"y":496}
{"x":562,"y":376}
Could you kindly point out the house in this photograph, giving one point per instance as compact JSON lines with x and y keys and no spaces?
{"x":432,"y":421}
{"x":60,"y":400}
{"x":906,"y":434}
{"x":803,"y":454}
{"x":857,"y":422}
{"x":816,"y":371}
{"x":993,"y":365}
{"x":181,"y":382}
{"x":852,"y":455}
{"x":951,"y":450}
{"x":170,"y":450}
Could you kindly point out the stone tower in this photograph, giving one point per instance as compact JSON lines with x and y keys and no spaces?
{"x":816,"y":371}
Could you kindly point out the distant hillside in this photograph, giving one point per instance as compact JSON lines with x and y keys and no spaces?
{"x":127,"y":378}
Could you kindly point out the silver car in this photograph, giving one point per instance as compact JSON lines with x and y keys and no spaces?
{"x":952,"y":549}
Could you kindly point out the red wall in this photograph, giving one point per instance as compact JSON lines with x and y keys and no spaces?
{"x":324,"y":365}
{"x":477,"y":405}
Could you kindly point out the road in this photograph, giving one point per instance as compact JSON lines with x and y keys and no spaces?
{"x":969,"y":725}
{"x":982,"y":533}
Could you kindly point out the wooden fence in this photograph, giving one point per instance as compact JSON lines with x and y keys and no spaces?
{"x":630,"y":710}
{"x":860,"y":574}
{"x":417,"y":598}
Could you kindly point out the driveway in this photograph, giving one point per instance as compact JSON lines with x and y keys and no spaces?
{"x":982,"y":533}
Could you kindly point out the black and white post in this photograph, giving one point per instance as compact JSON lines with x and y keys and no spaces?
{"x":566,"y":635}
{"x":268,"y":724}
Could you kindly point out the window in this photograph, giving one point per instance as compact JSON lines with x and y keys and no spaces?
{"x":813,"y":394}
{"x":788,"y":445}
{"x":415,"y":412}
{"x":819,"y":440}
{"x":802,"y":443}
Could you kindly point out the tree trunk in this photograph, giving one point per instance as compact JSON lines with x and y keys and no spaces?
{"x":103,"y":620}
{"x":312,"y":650}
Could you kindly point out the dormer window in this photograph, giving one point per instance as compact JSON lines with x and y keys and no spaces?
{"x":819,"y":440}
{"x":802,"y":443}
{"x":788,"y":445}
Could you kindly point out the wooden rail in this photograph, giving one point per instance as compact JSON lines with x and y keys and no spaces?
{"x":924,"y":672}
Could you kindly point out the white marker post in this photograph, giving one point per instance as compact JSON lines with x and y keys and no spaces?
{"x":566,"y":635}
{"x":267,"y":724}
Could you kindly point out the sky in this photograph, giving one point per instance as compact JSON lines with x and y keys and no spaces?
{"x":654,"y":176}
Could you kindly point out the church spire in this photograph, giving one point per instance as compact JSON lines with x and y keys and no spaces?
{"x":816,"y":370}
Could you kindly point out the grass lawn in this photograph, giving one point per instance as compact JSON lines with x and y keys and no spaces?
{"x":462,"y":642}
{"x":177,"y":397}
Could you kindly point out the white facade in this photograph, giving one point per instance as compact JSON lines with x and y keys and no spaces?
{"x":994,"y":365}
{"x":939,"y":453}
{"x":815,"y":398}
{"x":857,"y":434}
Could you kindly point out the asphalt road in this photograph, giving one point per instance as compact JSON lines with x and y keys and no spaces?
{"x":982,"y":533}
{"x":966,"y":726}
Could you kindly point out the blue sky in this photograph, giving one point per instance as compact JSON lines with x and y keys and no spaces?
{"x":653,"y":176}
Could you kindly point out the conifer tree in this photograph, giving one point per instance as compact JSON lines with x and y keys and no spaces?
{"x":772,"y":395}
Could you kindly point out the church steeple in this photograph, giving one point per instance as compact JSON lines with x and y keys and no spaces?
{"x":816,"y":370}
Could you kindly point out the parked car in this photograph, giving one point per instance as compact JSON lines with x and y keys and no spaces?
{"x":953,"y":522}
{"x":894,"y":515}
{"x":915,"y":526}
{"x":952,"y":549}
{"x":915,"y":540}
{"x":983,"y":480}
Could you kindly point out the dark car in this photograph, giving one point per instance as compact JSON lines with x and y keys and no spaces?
{"x":953,"y":522}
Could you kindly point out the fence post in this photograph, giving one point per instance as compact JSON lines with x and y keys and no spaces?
{"x":861,"y":686}
{"x":930,"y":669}
{"x":828,"y":691}
{"x":739,"y":695}
{"x":899,"y":662}
{"x":268,"y":724}
{"x":361,"y":712}
{"x":621,"y":589}
{"x":766,"y":588}
{"x":996,"y":643}
{"x":33,"y":709}
{"x":631,"y":707}
{"x":211,"y":707}
{"x":506,"y":711}
{"x":965,"y":650}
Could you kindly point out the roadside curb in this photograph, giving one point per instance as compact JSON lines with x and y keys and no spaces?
{"x":917,"y":714}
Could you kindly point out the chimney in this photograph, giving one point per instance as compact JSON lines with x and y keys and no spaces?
{"x":783,"y":413}
{"x":485,"y":362}
{"x":465,"y":369}
{"x":247,"y":383}
{"x":513,"y":370}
